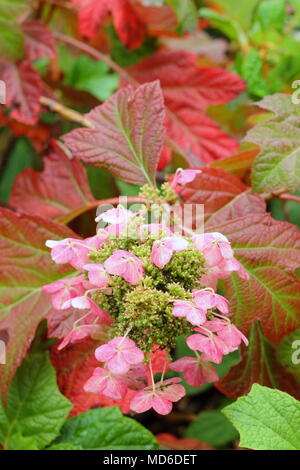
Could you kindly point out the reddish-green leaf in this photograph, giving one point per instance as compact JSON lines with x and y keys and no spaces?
{"x":23,"y":90}
{"x":60,"y":188}
{"x":258,"y":365}
{"x":39,"y":40}
{"x":25,"y":267}
{"x":270,"y":252}
{"x":224,"y":196}
{"x":128,"y":134}
{"x":277,"y":167}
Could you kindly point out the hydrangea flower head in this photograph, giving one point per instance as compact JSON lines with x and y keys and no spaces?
{"x":138,"y":293}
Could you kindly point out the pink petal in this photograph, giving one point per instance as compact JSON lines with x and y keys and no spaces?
{"x":103,"y":382}
{"x":161,"y":405}
{"x":97,"y":274}
{"x":160,"y":255}
{"x":142,"y":401}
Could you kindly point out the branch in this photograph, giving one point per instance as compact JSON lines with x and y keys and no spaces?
{"x":91,"y":51}
{"x":67,"y":113}
{"x":289,"y":197}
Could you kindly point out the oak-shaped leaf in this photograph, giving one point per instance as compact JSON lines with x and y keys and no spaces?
{"x":25,"y":267}
{"x":127,"y":135}
{"x":188,"y":90}
{"x":259,"y":364}
{"x":270,"y":252}
{"x":40,"y":193}
{"x":39,"y":40}
{"x":23,"y":90}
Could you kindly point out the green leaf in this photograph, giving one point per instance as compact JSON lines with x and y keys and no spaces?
{"x":21,"y":157}
{"x":271,"y":13}
{"x":251,"y":71}
{"x":35,"y":409}
{"x":86,"y":74}
{"x":266,"y":419}
{"x":277,"y":167}
{"x":106,"y":428}
{"x":64,"y":446}
{"x":18,"y":442}
{"x":14,"y":8}
{"x":213,"y":428}
{"x":186,"y":13}
{"x":11,"y":40}
{"x":240,"y":11}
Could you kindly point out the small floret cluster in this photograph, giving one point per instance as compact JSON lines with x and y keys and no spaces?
{"x":147,"y":291}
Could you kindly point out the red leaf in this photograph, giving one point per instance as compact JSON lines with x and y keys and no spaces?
{"x":74,"y":366}
{"x":38,"y":134}
{"x":25,"y":267}
{"x":23,"y":90}
{"x":159,"y":21}
{"x":129,"y":27}
{"x":175,"y":443}
{"x":184,"y":83}
{"x":41,"y":192}
{"x":127,"y":137}
{"x":224,"y":196}
{"x":127,"y":23}
{"x":188,"y":90}
{"x":200,"y":139}
{"x":39,"y":40}
{"x":270,"y":252}
{"x":258,"y":365}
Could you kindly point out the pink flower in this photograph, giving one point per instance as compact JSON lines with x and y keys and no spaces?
{"x":125,"y":264}
{"x":64,"y":290}
{"x":185,"y":308}
{"x":120,"y":354}
{"x":161,"y":398}
{"x":184,"y":176}
{"x":163,"y":250}
{"x":206,"y":299}
{"x":69,"y":250}
{"x":214,"y":246}
{"x":79,"y":333}
{"x":213,"y":347}
{"x":120,"y":215}
{"x":196,"y":371}
{"x":232,"y":337}
{"x":84,"y":302}
{"x":103,"y":381}
{"x":97,"y":274}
